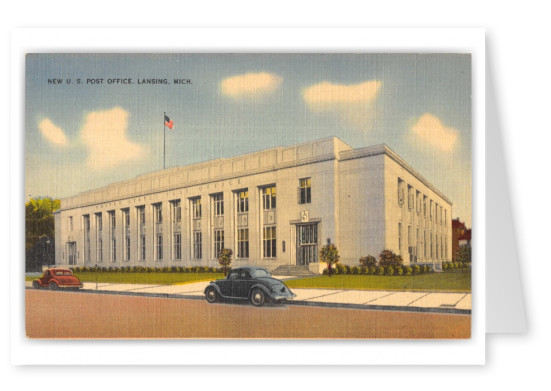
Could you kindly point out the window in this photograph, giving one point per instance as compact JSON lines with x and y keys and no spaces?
{"x":177,"y":246}
{"x":401,"y":185}
{"x":445,"y":217}
{"x":425,"y":206}
{"x":127,"y":248}
{"x":99,"y":222}
{"x":159,"y":247}
{"x":86,"y":223}
{"x":142,"y":247}
{"x":418,"y":202}
{"x":430,"y":212}
{"x":242,"y":201}
{"x":218,"y":204}
{"x":305,"y":191}
{"x":100,"y":250}
{"x":399,"y":238}
{"x":218,"y":241}
{"x":196,"y":208}
{"x":269,"y":242}
{"x":269,"y":197}
{"x":158,"y":211}
{"x":411,"y":201}
{"x":126,"y":217}
{"x":70,"y":223}
{"x":197,"y":250}
{"x":243,"y":243}
{"x":425,"y":244}
{"x":176,"y":211}
{"x":141,"y":215}
{"x":113,"y":250}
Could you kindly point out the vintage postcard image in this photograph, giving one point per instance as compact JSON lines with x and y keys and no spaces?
{"x":238,"y":196}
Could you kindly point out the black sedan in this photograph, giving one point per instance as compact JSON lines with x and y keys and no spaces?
{"x":248,"y":282}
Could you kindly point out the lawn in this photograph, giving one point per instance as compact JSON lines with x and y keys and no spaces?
{"x":144,"y":278}
{"x":458,"y":281}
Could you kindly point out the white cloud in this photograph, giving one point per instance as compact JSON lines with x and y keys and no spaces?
{"x":430,"y":129}
{"x":250,"y":85}
{"x":353,"y":103}
{"x":52,"y":133}
{"x":104,"y":134}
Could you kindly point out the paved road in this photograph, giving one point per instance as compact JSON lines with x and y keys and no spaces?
{"x":86,"y":315}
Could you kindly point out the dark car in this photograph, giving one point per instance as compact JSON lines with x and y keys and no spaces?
{"x":57,"y":278}
{"x":248,"y":282}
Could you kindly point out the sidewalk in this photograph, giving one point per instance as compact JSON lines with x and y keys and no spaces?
{"x":443,"y":302}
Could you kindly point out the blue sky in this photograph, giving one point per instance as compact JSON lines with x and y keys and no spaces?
{"x":82,"y":136}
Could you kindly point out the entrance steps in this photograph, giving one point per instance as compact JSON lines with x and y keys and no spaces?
{"x":292,"y":270}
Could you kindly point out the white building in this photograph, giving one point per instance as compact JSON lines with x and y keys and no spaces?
{"x":274,"y":207}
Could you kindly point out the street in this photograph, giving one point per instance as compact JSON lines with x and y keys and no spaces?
{"x":85,"y":315}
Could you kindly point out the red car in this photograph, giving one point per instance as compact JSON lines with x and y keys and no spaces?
{"x":57,"y":279}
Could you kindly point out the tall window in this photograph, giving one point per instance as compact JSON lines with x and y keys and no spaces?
{"x":158,"y":210}
{"x":177,"y":246}
{"x":159,"y":247}
{"x":425,"y":206}
{"x":70,"y":223}
{"x":126,"y":217}
{"x":399,"y":238}
{"x":269,"y":197}
{"x":113,"y":250}
{"x":401,"y":185}
{"x":197,"y":248}
{"x":100,"y":250}
{"x":176,"y":211}
{"x":196,"y":208}
{"x":112,"y":220}
{"x":218,"y":204}
{"x":425,"y":244}
{"x":243,"y":243}
{"x":242,"y":201}
{"x":99,"y":222}
{"x":142,"y":247}
{"x":218,"y":241}
{"x":305,"y":191}
{"x":430,"y":211}
{"x":411,"y":201}
{"x":127,"y":251}
{"x":141,"y":215}
{"x":269,"y":242}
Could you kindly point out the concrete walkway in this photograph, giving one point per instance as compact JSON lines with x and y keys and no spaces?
{"x":444,"y":302}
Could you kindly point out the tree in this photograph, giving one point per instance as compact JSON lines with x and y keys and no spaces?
{"x":368,"y":261}
{"x":39,"y":232}
{"x":388,"y":258}
{"x":330,"y":255}
{"x":464,"y":254}
{"x":224,"y":259}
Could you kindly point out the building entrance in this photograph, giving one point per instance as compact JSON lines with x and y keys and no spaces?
{"x":307,"y":244}
{"x":72,"y":253}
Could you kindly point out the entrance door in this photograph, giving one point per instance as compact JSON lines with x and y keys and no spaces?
{"x":72,"y":253}
{"x":307,"y":244}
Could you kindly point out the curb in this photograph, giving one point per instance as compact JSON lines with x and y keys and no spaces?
{"x":437,"y":310}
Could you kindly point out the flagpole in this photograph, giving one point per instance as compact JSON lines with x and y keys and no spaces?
{"x":164,"y":138}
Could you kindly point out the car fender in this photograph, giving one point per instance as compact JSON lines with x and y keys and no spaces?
{"x":215,"y":287}
{"x":262,"y":287}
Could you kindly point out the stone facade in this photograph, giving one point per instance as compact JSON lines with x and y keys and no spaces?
{"x":274,"y":207}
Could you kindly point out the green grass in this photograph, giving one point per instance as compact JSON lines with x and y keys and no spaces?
{"x":457,"y":281}
{"x":144,"y":278}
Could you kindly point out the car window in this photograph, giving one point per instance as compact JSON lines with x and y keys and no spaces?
{"x":245,"y":274}
{"x":233,"y":275}
{"x":261,"y":273}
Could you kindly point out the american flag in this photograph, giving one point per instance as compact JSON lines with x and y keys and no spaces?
{"x":168,"y":122}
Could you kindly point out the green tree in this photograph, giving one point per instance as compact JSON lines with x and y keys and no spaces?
{"x":224,"y":259}
{"x":330,"y":255}
{"x":464,"y":254}
{"x":388,"y":258}
{"x":39,"y":220}
{"x":368,"y":261}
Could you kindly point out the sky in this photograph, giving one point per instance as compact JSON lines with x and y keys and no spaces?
{"x":95,"y":119}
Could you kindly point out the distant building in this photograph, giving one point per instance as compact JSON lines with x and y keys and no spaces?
{"x":272,"y":208}
{"x":465,"y":239}
{"x":458,"y":231}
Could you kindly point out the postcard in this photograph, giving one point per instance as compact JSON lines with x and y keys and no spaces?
{"x":265,"y":196}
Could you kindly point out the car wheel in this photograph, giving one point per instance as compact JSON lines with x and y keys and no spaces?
{"x":53,"y":286}
{"x":211,"y":295}
{"x":258,"y":297}
{"x":36,"y":285}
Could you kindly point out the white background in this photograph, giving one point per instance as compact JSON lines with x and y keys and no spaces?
{"x":517,"y":39}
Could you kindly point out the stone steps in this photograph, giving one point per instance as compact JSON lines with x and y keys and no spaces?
{"x":292,"y":270}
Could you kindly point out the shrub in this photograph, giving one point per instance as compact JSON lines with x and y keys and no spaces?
{"x":364,"y":270}
{"x":76,"y":269}
{"x":348,"y":269}
{"x":416,"y":269}
{"x":85,"y":269}
{"x":408,"y":271}
{"x":372,"y":270}
{"x":340,"y":269}
{"x":205,"y":269}
{"x":399,"y":271}
{"x":426,"y":269}
{"x":389,"y":270}
{"x":388,"y":258}
{"x":325,"y":272}
{"x":330,"y":255}
{"x":368,"y":261}
{"x":355,"y":270}
{"x":380,"y":271}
